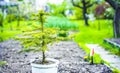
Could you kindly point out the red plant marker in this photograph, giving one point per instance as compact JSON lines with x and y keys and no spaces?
{"x":92,"y":52}
{"x":91,"y":55}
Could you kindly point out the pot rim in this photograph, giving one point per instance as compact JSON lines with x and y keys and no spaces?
{"x":56,"y":62}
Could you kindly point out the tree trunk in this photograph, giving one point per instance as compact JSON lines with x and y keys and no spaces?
{"x":43,"y":59}
{"x":1,"y":25}
{"x":98,"y":23}
{"x":85,"y":17}
{"x":18,"y":22}
{"x":84,"y":7}
{"x":18,"y":18}
{"x":1,"y":20}
{"x":117,"y":23}
{"x":85,"y":13}
{"x":43,"y":42}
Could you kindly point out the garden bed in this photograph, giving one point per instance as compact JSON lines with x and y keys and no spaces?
{"x":67,"y":52}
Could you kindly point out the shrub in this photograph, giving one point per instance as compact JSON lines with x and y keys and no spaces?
{"x":38,"y":39}
{"x":61,"y":23}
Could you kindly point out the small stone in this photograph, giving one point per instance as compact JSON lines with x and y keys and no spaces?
{"x":26,"y":55}
{"x":28,"y":63}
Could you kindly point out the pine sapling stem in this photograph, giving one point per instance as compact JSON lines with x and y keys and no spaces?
{"x":43,"y":42}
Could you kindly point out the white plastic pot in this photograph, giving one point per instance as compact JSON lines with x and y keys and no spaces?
{"x":39,"y":68}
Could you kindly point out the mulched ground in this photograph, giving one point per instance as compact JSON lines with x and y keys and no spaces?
{"x":67,"y":52}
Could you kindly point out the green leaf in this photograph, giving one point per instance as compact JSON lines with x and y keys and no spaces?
{"x":3,"y":63}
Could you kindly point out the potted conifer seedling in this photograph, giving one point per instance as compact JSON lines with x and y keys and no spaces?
{"x":37,"y":40}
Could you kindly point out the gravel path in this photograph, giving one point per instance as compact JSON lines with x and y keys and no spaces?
{"x":67,"y":52}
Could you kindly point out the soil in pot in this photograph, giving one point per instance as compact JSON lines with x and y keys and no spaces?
{"x":38,"y":61}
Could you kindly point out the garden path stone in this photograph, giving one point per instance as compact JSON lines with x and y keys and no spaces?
{"x":105,"y":55}
{"x":68,"y":53}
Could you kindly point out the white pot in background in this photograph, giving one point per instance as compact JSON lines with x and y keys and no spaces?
{"x":39,"y":68}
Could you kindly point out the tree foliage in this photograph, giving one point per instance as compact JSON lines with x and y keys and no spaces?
{"x":37,"y":39}
{"x":60,"y":9}
{"x":117,"y":2}
{"x":101,"y":9}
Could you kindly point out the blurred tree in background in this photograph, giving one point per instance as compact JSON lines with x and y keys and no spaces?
{"x":84,"y":5}
{"x":116,"y":6}
{"x":59,"y":10}
{"x":1,"y":20}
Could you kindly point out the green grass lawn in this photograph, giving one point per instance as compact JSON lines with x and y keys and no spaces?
{"x":88,"y":34}
{"x":92,"y":33}
{"x":11,"y":29}
{"x":95,"y":35}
